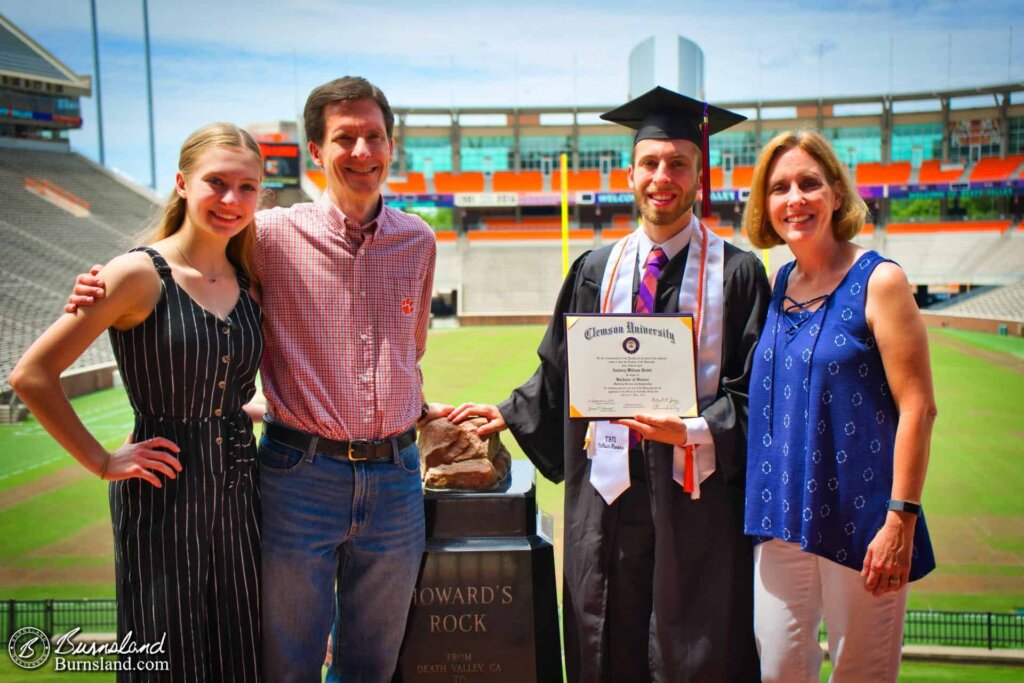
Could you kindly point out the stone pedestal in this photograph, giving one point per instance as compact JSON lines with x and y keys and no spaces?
{"x":485,"y":607}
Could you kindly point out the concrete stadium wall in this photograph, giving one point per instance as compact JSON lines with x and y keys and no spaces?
{"x":1014,"y":328}
{"x":478,"y":319}
{"x":507,"y":278}
{"x":89,"y":379}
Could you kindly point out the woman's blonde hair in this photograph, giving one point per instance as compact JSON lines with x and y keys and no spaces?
{"x":847,"y":220}
{"x":242,"y":247}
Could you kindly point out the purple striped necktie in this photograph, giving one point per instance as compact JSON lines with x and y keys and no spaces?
{"x":656,"y":261}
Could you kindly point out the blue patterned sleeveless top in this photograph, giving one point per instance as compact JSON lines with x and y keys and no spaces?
{"x":822,"y":428}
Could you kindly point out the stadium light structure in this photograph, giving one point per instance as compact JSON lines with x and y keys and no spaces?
{"x":149,"y":94}
{"x":96,"y":78}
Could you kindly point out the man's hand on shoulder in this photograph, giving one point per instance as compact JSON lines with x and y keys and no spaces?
{"x":89,"y":287}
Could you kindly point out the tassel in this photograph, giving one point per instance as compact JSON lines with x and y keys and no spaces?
{"x":705,"y":202}
{"x":688,"y":470}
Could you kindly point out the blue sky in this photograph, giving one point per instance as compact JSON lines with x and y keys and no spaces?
{"x":256,"y":60}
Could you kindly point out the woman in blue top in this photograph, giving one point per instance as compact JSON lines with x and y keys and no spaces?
{"x":841,"y":414}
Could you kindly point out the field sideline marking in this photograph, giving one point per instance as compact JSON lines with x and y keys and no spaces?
{"x":33,"y":466}
{"x":91,"y":415}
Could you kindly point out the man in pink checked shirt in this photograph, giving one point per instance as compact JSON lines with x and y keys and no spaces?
{"x":347,"y":283}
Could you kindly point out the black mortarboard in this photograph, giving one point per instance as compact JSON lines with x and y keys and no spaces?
{"x":661,"y":114}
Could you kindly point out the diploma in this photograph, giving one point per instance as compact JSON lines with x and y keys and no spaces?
{"x":621,"y":365}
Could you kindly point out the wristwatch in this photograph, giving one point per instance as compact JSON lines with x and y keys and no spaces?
{"x":904,"y":506}
{"x":424,"y":409}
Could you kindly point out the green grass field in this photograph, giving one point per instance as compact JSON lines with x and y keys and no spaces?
{"x":55,"y":539}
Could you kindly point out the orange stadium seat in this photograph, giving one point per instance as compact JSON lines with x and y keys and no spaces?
{"x":450,"y":183}
{"x":623,"y":220}
{"x":523,"y":181}
{"x":501,"y":222}
{"x":931,"y":172}
{"x":47,"y":188}
{"x":993,"y":168}
{"x":947,"y":226}
{"x":414,"y":183}
{"x":578,"y":181}
{"x":741,"y":176}
{"x":615,"y":233}
{"x":504,"y":223}
{"x":715,"y":223}
{"x":896,"y":173}
{"x":717,"y":178}
{"x":317,"y":176}
{"x":618,"y":181}
{"x":539,"y":234}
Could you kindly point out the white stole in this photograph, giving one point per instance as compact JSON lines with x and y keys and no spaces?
{"x":617,"y":297}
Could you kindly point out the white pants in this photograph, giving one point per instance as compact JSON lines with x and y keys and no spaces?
{"x":793,"y":590}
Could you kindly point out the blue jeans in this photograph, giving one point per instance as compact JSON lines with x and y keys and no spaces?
{"x":356,"y":527}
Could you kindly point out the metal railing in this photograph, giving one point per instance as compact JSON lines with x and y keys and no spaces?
{"x":990,"y":630}
{"x":58,"y":616}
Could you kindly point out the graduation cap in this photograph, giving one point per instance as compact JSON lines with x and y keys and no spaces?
{"x":661,"y":114}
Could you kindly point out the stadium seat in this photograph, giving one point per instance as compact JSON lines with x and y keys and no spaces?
{"x":944,"y":252}
{"x":317,"y":176}
{"x":504,"y":223}
{"x":450,"y":183}
{"x":896,"y":173}
{"x":58,"y":196}
{"x":1003,"y":303}
{"x":618,"y":181}
{"x":415,"y":183}
{"x":741,"y":176}
{"x":932,"y":172}
{"x":938,"y":227}
{"x":993,"y":168}
{"x":579,"y":181}
{"x":45,"y":245}
{"x":717,"y":178}
{"x":536,"y":233}
{"x":523,"y":181}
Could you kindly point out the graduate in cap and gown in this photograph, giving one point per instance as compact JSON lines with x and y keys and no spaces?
{"x":658,"y":574}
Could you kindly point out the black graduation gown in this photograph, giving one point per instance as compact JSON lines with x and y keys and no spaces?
{"x":702,"y":627}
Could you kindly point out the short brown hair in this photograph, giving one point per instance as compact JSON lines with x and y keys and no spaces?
{"x":345,"y":89}
{"x":847,"y":220}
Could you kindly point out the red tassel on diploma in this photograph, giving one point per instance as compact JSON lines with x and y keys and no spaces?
{"x":688,"y":470}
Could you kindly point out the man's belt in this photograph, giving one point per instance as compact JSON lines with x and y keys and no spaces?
{"x":355,"y":450}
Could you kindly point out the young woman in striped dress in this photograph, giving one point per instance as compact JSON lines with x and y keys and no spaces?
{"x":185,"y":325}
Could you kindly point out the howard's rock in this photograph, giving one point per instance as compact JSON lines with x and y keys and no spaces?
{"x":452,"y":456}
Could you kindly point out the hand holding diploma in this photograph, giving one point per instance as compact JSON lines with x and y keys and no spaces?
{"x":668,"y":429}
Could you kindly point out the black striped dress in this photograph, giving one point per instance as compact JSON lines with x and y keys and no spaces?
{"x":188,"y":554}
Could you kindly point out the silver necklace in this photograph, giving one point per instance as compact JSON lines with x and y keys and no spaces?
{"x":210,"y":278}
